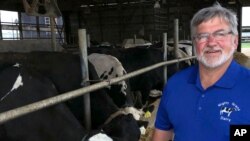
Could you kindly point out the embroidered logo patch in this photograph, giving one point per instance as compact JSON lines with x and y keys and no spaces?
{"x":226,"y":109}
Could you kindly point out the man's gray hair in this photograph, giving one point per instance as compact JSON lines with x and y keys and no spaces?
{"x":208,"y":13}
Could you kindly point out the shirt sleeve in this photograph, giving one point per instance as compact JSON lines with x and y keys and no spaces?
{"x":162,"y":121}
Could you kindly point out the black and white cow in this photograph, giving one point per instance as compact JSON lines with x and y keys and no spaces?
{"x":185,"y":45}
{"x":136,"y":58}
{"x":108,"y":67}
{"x":20,"y":87}
{"x":115,"y":122}
{"x":57,"y":123}
{"x":55,"y":65}
{"x":63,"y":70}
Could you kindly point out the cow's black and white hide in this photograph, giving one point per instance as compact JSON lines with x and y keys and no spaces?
{"x":136,"y":58}
{"x":63,"y":70}
{"x":184,"y":45}
{"x":20,"y":87}
{"x":108,"y":67}
{"x":184,"y":49}
{"x":116,"y":123}
{"x":55,"y":65}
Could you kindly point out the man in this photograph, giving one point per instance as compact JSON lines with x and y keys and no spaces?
{"x":201,"y":102}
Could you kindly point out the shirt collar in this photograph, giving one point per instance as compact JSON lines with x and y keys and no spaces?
{"x":230,"y":76}
{"x":226,"y":81}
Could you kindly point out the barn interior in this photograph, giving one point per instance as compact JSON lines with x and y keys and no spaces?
{"x":53,"y":25}
{"x":106,"y":21}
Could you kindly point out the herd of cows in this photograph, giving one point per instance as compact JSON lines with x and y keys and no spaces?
{"x":116,"y":110}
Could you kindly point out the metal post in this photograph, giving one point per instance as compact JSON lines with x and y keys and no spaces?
{"x":150,"y":38}
{"x":165,"y":71}
{"x":85,"y":76}
{"x":176,"y":37}
{"x":176,"y":40}
{"x":134,"y":38}
{"x":88,"y":40}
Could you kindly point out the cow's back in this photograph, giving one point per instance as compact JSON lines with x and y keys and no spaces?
{"x":63,"y":69}
{"x":20,"y":87}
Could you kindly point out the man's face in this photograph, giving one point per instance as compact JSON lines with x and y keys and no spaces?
{"x":214,"y":42}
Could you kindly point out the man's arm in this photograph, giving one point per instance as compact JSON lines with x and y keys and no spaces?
{"x":161,"y":135}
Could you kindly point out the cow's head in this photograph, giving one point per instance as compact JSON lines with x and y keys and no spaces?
{"x":108,"y":67}
{"x":123,"y":127}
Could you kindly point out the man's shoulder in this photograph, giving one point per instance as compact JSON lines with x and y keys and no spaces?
{"x":239,"y":72}
{"x":244,"y":72}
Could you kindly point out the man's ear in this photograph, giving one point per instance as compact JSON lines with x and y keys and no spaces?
{"x":236,"y":41}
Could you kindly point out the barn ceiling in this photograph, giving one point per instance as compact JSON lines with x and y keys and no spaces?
{"x":77,"y":5}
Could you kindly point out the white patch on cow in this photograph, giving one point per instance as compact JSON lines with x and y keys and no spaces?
{"x":180,"y":54}
{"x":155,"y":93}
{"x":103,"y":63}
{"x":18,"y":83}
{"x":100,"y":137}
{"x":130,"y":43}
{"x":186,"y":44}
{"x":189,"y":50}
{"x":142,"y":130}
{"x":135,"y":112}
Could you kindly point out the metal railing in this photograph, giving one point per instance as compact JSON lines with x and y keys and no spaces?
{"x":17,"y":112}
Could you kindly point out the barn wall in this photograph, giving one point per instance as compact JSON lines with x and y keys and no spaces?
{"x":115,"y":23}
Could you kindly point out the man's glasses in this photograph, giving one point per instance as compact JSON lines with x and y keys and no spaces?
{"x":218,"y":35}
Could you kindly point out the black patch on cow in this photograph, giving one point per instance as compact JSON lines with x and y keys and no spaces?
{"x":129,"y":131}
{"x":103,"y":75}
{"x":142,"y":123}
{"x":111,"y":71}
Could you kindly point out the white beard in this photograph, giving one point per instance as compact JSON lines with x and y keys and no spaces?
{"x":216,"y":61}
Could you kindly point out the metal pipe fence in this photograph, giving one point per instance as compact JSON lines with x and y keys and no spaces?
{"x":23,"y":110}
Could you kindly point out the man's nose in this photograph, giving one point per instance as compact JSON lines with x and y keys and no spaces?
{"x":211,"y":40}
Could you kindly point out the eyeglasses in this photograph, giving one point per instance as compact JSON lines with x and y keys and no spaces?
{"x":218,"y":35}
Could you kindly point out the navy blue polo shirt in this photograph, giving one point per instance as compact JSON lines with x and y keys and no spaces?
{"x":196,"y":114}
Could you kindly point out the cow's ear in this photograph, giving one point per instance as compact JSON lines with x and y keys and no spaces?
{"x":141,"y":123}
